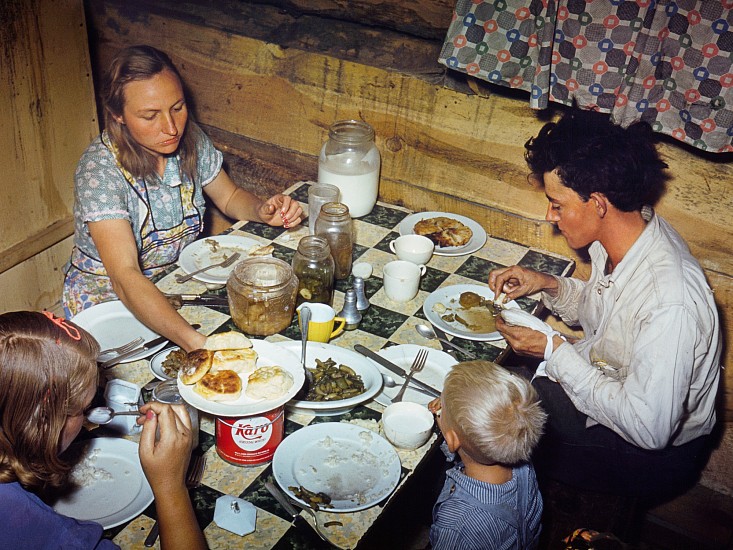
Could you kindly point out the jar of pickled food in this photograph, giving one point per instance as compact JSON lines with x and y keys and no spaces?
{"x":334,"y":225}
{"x":314,"y":267}
{"x":261,"y":294}
{"x":350,"y":160}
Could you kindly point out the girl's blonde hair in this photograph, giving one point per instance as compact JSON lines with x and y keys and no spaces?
{"x":496,"y":414}
{"x":47,"y":366}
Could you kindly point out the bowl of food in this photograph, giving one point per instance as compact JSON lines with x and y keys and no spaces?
{"x":407,"y":425}
{"x":342,"y":379}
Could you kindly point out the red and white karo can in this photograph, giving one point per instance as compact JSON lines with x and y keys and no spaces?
{"x":250,"y":440}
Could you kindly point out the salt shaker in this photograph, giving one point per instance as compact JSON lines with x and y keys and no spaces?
{"x":362,"y":302}
{"x":350,"y":311}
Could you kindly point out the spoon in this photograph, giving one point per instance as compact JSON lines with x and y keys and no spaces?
{"x":389,"y":382}
{"x":104,"y":415}
{"x":305,"y":318}
{"x":427,"y":332}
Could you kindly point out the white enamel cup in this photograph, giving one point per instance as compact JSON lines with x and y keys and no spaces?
{"x":417,"y":249}
{"x":401,"y":280}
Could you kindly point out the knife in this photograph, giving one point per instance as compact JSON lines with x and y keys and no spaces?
{"x":291,"y":509}
{"x":145,"y":347}
{"x":394,"y":368}
{"x":446,"y":347}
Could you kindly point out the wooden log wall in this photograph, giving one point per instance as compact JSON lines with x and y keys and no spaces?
{"x":268,"y":78}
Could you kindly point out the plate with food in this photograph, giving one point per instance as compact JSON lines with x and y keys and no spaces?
{"x":464,"y":311}
{"x":239,"y":377}
{"x":166,"y":363}
{"x":343,"y":379}
{"x":336,"y":467}
{"x":113,"y":325}
{"x":109,"y":485}
{"x":214,"y":250}
{"x":437,"y":365}
{"x":453,"y":234}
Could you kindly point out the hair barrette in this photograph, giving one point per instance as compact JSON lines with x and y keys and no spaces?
{"x":72,"y":331}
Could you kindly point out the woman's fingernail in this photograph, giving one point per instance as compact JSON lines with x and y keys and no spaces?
{"x":150,"y":415}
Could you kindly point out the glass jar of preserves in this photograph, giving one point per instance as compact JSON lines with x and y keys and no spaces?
{"x":261,"y":294}
{"x":167,"y":392}
{"x":351,"y":161}
{"x":314,"y":267}
{"x":334,"y":225}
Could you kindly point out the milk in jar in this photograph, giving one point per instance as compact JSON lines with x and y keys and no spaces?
{"x":351,"y":161}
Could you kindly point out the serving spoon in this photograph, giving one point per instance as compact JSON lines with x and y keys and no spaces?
{"x":305,"y":318}
{"x":104,"y":415}
{"x":427,"y":332}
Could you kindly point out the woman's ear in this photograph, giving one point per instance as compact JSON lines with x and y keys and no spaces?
{"x":600,"y":203}
{"x":452,"y":440}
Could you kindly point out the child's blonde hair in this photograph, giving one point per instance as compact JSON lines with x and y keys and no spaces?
{"x":496,"y":414}
{"x":47,"y":366}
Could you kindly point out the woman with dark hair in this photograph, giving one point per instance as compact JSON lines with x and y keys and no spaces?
{"x":632,"y":403}
{"x":48,"y":377}
{"x":139,"y":194}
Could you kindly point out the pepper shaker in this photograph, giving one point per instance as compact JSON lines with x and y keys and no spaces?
{"x":362,"y":302}
{"x":350,"y":311}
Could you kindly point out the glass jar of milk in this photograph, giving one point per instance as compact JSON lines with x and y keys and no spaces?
{"x":350,"y":160}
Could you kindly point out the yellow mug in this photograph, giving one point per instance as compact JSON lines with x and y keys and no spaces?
{"x":321,"y":326}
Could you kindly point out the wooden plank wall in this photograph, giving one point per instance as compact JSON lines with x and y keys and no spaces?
{"x":48,"y":118}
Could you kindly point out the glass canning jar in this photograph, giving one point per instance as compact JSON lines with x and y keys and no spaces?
{"x":350,"y":160}
{"x":261,"y":294}
{"x":314,"y":267}
{"x":334,"y":225}
{"x":167,"y":392}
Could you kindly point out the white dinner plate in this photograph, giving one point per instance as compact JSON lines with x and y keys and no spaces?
{"x":214,"y":250}
{"x":116,"y":491}
{"x":448,"y":296}
{"x":156,"y":364}
{"x":361,"y":365}
{"x":354,"y":466}
{"x":437,"y":366}
{"x":477,"y":240}
{"x":268,"y":354}
{"x":113,"y":325}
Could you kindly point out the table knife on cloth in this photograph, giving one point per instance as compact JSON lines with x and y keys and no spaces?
{"x":145,"y":347}
{"x":446,"y":347}
{"x":394,"y":368}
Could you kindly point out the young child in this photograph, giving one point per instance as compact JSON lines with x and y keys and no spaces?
{"x":48,"y":377}
{"x":490,"y":499}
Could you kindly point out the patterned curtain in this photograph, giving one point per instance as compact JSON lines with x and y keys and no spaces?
{"x":667,"y":62}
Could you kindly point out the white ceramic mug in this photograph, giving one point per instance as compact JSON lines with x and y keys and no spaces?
{"x":401,"y":280}
{"x":417,"y":249}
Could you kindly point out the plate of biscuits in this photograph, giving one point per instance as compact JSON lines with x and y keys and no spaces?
{"x":234,"y":376}
{"x":453,"y":234}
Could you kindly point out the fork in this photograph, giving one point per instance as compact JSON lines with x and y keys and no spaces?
{"x":417,"y":365}
{"x":193,"y":479}
{"x":124,"y":348}
{"x":226,"y":263}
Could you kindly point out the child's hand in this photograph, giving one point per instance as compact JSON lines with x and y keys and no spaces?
{"x":434,"y":406}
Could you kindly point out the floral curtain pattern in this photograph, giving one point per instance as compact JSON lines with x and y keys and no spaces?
{"x":667,"y":62}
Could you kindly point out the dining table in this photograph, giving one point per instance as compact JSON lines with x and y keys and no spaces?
{"x":384,"y":323}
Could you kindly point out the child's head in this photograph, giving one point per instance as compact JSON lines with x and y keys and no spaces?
{"x":495,"y":414}
{"x":48,"y":376}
